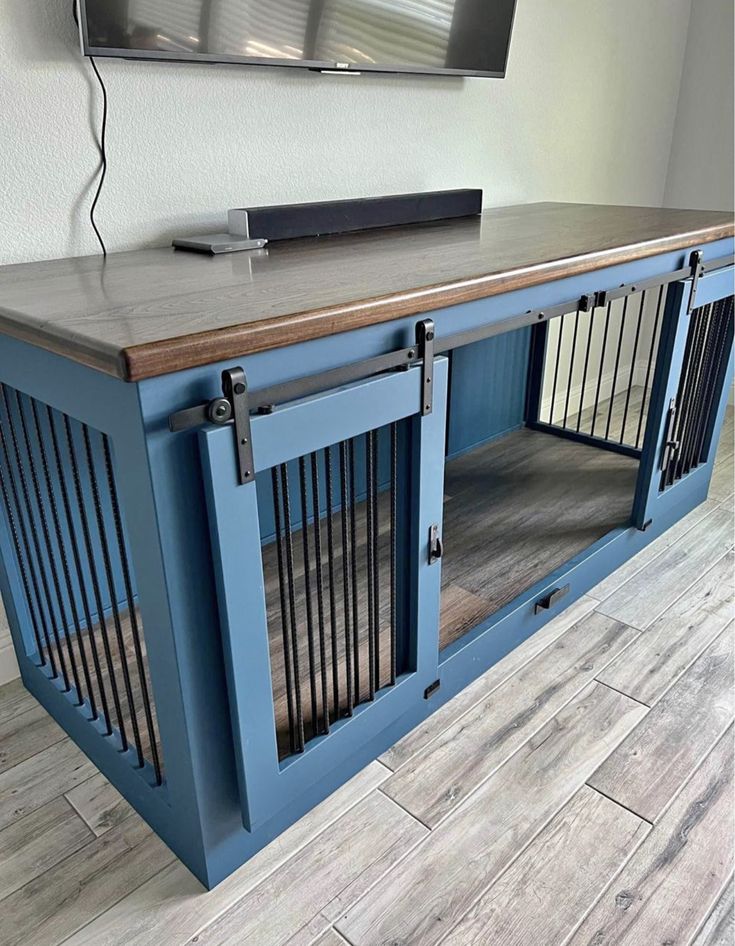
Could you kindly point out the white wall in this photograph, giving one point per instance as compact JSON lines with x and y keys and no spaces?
{"x":586,"y":113}
{"x":701,"y":167}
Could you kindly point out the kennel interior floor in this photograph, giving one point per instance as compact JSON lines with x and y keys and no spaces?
{"x":579,"y":791}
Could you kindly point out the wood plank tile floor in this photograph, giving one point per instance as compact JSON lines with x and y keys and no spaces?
{"x":580,"y":792}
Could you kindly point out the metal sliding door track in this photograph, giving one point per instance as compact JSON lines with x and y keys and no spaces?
{"x":265,"y":399}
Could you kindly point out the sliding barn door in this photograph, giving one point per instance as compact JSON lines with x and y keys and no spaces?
{"x":328,"y":577}
{"x":689,"y":397}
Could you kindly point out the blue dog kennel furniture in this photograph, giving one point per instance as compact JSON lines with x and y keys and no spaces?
{"x":264,"y":513}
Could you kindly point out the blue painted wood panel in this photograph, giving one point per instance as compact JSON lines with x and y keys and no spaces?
{"x":487,"y":393}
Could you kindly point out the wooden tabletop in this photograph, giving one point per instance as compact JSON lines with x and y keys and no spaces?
{"x":149,"y":312}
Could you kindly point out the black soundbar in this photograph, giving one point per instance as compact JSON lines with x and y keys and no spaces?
{"x":290,"y":221}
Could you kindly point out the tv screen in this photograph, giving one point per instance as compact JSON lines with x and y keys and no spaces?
{"x":464,"y":37}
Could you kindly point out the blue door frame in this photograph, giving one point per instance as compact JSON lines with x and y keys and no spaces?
{"x":295,"y":430}
{"x":650,"y":499}
{"x":198,"y":811}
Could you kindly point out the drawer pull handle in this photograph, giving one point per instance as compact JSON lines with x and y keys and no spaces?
{"x":549,"y":600}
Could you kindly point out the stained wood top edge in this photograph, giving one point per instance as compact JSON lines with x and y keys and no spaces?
{"x":147,"y":361}
{"x":497,"y":253}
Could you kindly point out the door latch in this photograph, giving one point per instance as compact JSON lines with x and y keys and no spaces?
{"x":436,"y":549}
{"x":671,"y":445}
{"x":549,"y":600}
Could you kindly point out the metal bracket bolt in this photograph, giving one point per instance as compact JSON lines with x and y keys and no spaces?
{"x":696,"y":263}
{"x":425,"y":342}
{"x":235,"y":390}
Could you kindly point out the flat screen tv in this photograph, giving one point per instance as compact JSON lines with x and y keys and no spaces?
{"x":456,"y":37}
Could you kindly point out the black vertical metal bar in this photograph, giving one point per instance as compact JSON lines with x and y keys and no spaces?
{"x":34,"y":533}
{"x":107,"y":565}
{"x":708,"y":378}
{"x":329,"y":484}
{"x":571,"y":367}
{"x":376,"y":551}
{"x":687,"y":391}
{"x":17,"y":537}
{"x":346,"y":576}
{"x":308,"y":602}
{"x":562,"y":323}
{"x":617,"y":366}
{"x":601,"y":368}
{"x":718,"y":328}
{"x":132,"y":613}
{"x":586,"y":367}
{"x":45,"y":598}
{"x":393,"y":549}
{"x":704,"y":342}
{"x":288,"y":537}
{"x":726,"y":314}
{"x":63,"y":487}
{"x":89,"y":549}
{"x":536,"y":372}
{"x":320,"y":589}
{"x":56,"y":522}
{"x":287,"y":657}
{"x":370,"y":523}
{"x":353,"y":563}
{"x":632,"y":365}
{"x":649,"y":366}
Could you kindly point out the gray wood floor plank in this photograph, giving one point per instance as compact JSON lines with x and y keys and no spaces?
{"x":33,"y":844}
{"x":636,"y":564}
{"x":420,"y":737}
{"x":664,"y":651}
{"x":52,"y":907}
{"x":719,"y":927}
{"x":14,"y":699}
{"x":664,"y":892}
{"x":440,"y":880}
{"x":368,"y":838}
{"x":649,"y":767}
{"x":542,"y":896}
{"x":642,"y":599}
{"x":25,"y":734}
{"x":311,"y":933}
{"x":99,"y":804}
{"x":172,"y":906}
{"x":331,"y":938}
{"x":38,"y":780}
{"x":723,"y":475}
{"x":455,"y":763}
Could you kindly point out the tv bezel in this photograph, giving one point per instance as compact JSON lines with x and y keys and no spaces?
{"x":333,"y":68}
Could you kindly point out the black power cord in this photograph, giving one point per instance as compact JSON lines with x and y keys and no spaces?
{"x":102,"y":144}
